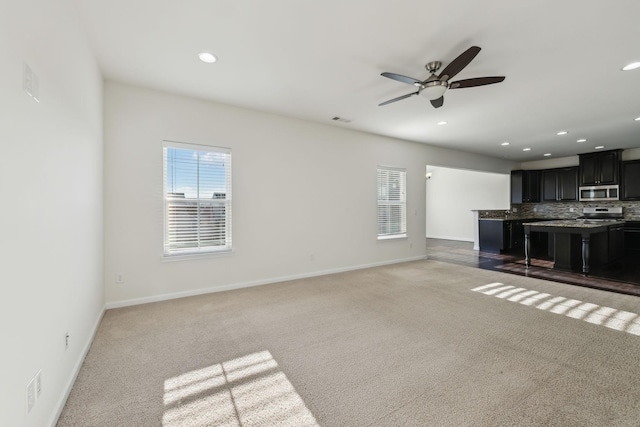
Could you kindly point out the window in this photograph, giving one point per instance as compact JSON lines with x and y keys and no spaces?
{"x":197,"y":199}
{"x":392,"y":202}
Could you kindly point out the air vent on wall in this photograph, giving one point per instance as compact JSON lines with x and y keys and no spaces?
{"x":340,"y":119}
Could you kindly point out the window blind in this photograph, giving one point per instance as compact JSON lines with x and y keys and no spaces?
{"x":392,"y":202}
{"x":197,"y":198}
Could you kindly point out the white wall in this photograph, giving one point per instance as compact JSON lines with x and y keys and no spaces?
{"x":300,"y":191}
{"x":453,"y":193}
{"x":51,"y":216}
{"x":560,"y":162}
{"x":631,"y":154}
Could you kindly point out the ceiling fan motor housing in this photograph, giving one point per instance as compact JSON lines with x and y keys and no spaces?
{"x":433,"y":66}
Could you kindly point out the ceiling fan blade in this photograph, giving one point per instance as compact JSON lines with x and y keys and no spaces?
{"x":398,"y":98}
{"x":459,"y":63}
{"x":437,"y":103}
{"x":478,"y":81}
{"x":403,"y":79}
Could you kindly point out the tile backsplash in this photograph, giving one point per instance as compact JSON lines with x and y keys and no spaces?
{"x":560,"y":210}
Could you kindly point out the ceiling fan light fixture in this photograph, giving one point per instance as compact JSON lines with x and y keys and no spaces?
{"x":434,"y":89}
{"x":631,"y":66}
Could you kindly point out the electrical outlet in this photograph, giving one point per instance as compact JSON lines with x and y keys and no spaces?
{"x":31,"y":394}
{"x":66,"y":341}
{"x":119,"y":278}
{"x":38,"y":383}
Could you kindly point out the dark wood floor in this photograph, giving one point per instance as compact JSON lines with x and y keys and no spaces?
{"x":622,"y":276}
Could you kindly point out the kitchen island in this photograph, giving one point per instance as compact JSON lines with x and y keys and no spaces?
{"x":566,"y":234}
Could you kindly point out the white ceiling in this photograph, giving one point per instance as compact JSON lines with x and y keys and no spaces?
{"x":318,"y":59}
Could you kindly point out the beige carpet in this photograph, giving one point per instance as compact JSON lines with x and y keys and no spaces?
{"x":416,"y":344}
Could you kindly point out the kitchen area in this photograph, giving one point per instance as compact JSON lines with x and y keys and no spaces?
{"x":581,"y":219}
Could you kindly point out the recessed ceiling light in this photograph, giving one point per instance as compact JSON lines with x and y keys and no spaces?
{"x":546,"y":154}
{"x":505,"y":143}
{"x":442,"y":123}
{"x":631,"y":66}
{"x":581,"y":140}
{"x":599,"y":147}
{"x":526,"y":149}
{"x":207,"y":57}
{"x":562,"y":132}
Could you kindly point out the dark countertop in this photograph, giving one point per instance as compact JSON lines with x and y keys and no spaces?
{"x":531,"y":219}
{"x":512,"y":218}
{"x":572,"y":223}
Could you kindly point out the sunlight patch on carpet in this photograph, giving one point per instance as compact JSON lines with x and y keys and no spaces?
{"x":608,"y":317}
{"x":247,"y":391}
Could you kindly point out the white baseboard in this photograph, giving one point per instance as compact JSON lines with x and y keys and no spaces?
{"x":76,"y":371}
{"x":175,"y":295}
{"x":457,"y":238}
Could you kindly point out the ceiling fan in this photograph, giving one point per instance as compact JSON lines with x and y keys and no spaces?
{"x":434,"y":87}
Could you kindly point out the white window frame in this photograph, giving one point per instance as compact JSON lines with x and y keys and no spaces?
{"x":395,"y":230}
{"x":170,"y":252}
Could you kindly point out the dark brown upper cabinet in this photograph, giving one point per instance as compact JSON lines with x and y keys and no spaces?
{"x":525,"y":186}
{"x":600,"y":168}
{"x":630,"y":180}
{"x":560,"y":184}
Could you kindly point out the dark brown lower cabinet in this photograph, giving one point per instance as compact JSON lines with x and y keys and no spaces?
{"x":616,"y":242}
{"x":493,"y":235}
{"x":507,"y":236}
{"x":632,"y":236}
{"x":604,"y":248}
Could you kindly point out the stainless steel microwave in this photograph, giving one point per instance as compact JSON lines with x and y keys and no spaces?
{"x":599,"y":192}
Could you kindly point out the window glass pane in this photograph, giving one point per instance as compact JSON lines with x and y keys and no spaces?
{"x":212,"y":175}
{"x":197,"y":184}
{"x":392,"y":217}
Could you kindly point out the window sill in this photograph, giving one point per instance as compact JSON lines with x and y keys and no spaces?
{"x":196,"y":255}
{"x":393,"y":236}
